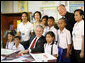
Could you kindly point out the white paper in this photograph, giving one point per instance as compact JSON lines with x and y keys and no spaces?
{"x":42,"y":57}
{"x":7,"y":51}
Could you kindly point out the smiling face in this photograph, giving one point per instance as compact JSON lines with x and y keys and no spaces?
{"x":24,"y":17}
{"x":62,"y":10}
{"x":78,"y":17}
{"x":39,"y":32}
{"x":50,"y":22}
{"x":37,"y":16}
{"x":16,"y":40}
{"x":49,"y":39}
{"x":10,"y":37}
{"x":44,"y":21}
{"x":61,"y":24}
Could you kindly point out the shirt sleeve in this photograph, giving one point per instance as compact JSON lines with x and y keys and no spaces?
{"x":18,"y":28}
{"x":55,"y":49}
{"x":68,"y":39}
{"x":82,"y":30}
{"x":22,"y":48}
{"x":56,"y":35}
{"x":6,"y":45}
{"x":31,"y":27}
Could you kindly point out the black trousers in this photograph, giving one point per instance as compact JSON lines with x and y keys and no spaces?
{"x":77,"y":56}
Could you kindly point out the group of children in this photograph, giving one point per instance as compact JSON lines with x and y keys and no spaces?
{"x":58,"y":41}
{"x":13,"y":42}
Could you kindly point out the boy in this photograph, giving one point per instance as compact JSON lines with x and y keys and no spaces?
{"x":64,"y":42}
{"x":17,"y":45}
{"x":50,"y":27}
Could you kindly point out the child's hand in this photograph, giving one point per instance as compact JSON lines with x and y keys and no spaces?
{"x":23,"y":52}
{"x":81,"y":55}
{"x":67,"y":55}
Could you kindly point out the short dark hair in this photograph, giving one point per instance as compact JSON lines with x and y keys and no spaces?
{"x":51,"y":17}
{"x":51,"y":34}
{"x":19,"y":37}
{"x":26,"y":15}
{"x":38,"y":13}
{"x":81,"y":12}
{"x":11,"y":33}
{"x":46,"y":17}
{"x":64,"y":19}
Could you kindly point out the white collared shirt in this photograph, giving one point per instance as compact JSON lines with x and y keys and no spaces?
{"x":9,"y":45}
{"x":47,"y":48}
{"x":47,"y":29}
{"x":64,"y":38}
{"x":20,"y":47}
{"x":78,"y":32}
{"x":25,"y":30}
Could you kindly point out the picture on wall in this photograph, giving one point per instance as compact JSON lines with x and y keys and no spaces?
{"x":72,"y":8}
{"x":50,"y":11}
{"x":23,"y":6}
{"x":76,"y":2}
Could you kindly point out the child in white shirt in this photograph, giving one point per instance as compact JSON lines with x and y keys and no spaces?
{"x":50,"y":47}
{"x":17,"y":45}
{"x":50,"y":27}
{"x":64,"y":41}
{"x":10,"y":42}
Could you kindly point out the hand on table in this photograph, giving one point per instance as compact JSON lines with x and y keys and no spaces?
{"x":23,"y":52}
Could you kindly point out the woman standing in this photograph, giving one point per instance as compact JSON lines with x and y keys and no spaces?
{"x":24,"y":29}
{"x":37,"y":17}
{"x":78,"y":36}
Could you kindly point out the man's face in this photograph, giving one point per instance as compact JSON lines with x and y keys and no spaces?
{"x":39,"y":32}
{"x":62,"y":10}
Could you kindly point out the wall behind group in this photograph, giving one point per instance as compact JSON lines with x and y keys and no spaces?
{"x":12,"y":6}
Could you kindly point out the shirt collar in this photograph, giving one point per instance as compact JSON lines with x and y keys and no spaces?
{"x":49,"y":44}
{"x":79,"y":22}
{"x":63,"y":30}
{"x":51,"y":27}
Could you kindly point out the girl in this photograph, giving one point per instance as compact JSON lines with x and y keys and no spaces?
{"x":50,"y":27}
{"x":10,"y":42}
{"x":44,"y":23}
{"x":78,"y":36}
{"x":50,"y":47}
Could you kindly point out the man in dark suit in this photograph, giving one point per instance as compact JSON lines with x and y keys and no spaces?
{"x":70,"y":21}
{"x":36,"y":43}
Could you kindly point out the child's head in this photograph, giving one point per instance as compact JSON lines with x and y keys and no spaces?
{"x":17,"y":39}
{"x":62,"y":23}
{"x":44,"y":20}
{"x":51,"y":21}
{"x":50,"y":36}
{"x":10,"y":36}
{"x":78,"y":14}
